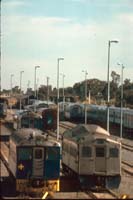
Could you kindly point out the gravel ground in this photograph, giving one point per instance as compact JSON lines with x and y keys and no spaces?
{"x":126,"y":186}
{"x":71,"y":195}
{"x":127,"y":156}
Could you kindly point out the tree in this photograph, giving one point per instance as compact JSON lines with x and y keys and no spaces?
{"x":127,"y":84}
{"x":115,"y":77}
{"x":16,"y":90}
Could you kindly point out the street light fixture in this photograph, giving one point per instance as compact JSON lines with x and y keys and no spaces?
{"x":85,"y":95}
{"x":36,"y":67}
{"x":21,"y":72}
{"x":58,"y":60}
{"x":108,"y":98}
{"x":122,"y":67}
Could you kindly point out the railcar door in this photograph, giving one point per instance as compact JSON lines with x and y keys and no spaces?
{"x":100,"y":158}
{"x":38,"y":161}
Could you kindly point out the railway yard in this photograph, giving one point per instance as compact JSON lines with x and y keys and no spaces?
{"x":70,"y":188}
{"x":66,"y":99}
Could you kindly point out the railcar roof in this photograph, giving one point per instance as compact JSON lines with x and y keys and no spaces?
{"x":114,"y":141}
{"x":81,"y":131}
{"x":32,"y":114}
{"x":29,"y":136}
{"x":72,"y":104}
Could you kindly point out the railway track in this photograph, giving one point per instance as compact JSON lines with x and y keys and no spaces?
{"x":127,"y":147}
{"x":4,"y":155}
{"x":101,"y":194}
{"x":127,"y":167}
{"x":67,"y":125}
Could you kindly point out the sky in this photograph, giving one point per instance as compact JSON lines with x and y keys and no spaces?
{"x":38,"y":32}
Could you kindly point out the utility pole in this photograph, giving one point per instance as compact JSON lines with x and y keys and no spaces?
{"x":47,"y":89}
{"x":58,"y":60}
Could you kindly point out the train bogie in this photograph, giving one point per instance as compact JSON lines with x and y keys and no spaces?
{"x":88,"y":152}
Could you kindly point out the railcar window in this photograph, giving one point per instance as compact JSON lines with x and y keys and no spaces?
{"x":100,"y":141}
{"x":100,"y":152}
{"x":86,"y":151}
{"x":73,"y":151}
{"x":53,"y":153}
{"x":77,"y":110}
{"x":38,"y":154}
{"x":113,"y":152}
{"x":24,"y":153}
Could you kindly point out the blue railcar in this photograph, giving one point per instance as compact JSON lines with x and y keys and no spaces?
{"x":74,"y":111}
{"x":98,"y":114}
{"x":44,"y":120}
{"x":34,"y":161}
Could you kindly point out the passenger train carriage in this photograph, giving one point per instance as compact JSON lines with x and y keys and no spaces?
{"x":45,"y":119}
{"x":92,"y":156}
{"x":34,"y":161}
{"x":74,"y":111}
{"x":98,"y":114}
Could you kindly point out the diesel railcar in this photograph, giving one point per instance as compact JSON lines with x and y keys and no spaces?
{"x":34,"y":161}
{"x":115,"y":117}
{"x":89,"y":154}
{"x":98,"y":114}
{"x":74,"y":111}
{"x":44,"y":120}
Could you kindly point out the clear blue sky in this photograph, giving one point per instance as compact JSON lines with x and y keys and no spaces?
{"x":37,"y":32}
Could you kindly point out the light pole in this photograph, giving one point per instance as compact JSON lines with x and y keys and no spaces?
{"x":35,"y":80}
{"x":37,"y":88}
{"x":85,"y":95}
{"x":0,"y":77}
{"x":108,"y":98}
{"x":63,"y":94}
{"x":58,"y":60}
{"x":11,"y":82}
{"x":47,"y":89}
{"x":11,"y":88}
{"x":28,"y":86}
{"x":21,"y":72}
{"x":122,"y":67}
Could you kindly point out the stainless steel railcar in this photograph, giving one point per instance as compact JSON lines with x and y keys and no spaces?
{"x":90,"y":154}
{"x":34,"y":161}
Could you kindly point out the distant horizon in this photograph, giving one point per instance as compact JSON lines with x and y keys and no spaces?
{"x":24,"y":90}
